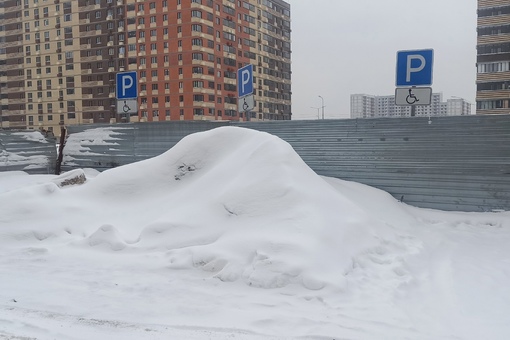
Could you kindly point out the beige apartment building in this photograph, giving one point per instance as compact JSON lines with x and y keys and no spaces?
{"x":59,"y":60}
{"x":493,"y":57}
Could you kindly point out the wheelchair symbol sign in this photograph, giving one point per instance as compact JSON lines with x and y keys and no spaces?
{"x":411,"y":98}
{"x":246,"y":103}
{"x":127,"y":106}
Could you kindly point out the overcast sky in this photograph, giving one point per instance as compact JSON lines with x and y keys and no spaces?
{"x":344,"y":47}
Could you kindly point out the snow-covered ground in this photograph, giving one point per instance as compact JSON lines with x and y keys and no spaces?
{"x":229,"y":235}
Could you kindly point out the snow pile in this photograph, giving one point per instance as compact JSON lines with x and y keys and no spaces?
{"x":266,"y":214}
{"x":230,"y":232}
{"x":33,"y":136}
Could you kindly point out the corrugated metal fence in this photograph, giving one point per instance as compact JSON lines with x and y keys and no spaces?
{"x":27,"y":151}
{"x":450,"y":163}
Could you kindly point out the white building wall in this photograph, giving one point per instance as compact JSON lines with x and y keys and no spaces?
{"x":362,"y":106}
{"x":368,"y":106}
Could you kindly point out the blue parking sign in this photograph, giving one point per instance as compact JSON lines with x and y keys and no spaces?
{"x":414,"y":68}
{"x":245,"y":81}
{"x":127,"y":85}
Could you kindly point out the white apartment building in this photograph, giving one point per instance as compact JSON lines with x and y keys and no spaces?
{"x":370,"y":106}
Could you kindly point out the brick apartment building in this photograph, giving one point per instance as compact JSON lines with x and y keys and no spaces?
{"x":58,"y":59}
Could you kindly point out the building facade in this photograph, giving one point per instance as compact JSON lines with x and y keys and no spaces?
{"x":369,"y":106}
{"x":493,"y":57}
{"x":59,"y":59}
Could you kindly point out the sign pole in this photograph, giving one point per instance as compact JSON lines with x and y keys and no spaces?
{"x":413,"y":107}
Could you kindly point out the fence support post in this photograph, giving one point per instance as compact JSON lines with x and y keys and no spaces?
{"x":60,"y":150}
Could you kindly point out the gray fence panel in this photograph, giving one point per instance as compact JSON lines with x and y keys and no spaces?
{"x":450,"y":163}
{"x":107,"y":146}
{"x":28,"y":151}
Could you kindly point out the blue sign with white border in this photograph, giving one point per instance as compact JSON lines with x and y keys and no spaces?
{"x":127,"y":87}
{"x":414,"y":67}
{"x":245,"y":81}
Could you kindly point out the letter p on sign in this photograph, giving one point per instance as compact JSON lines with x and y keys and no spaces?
{"x":414,"y":68}
{"x":127,"y":85}
{"x":245,"y":81}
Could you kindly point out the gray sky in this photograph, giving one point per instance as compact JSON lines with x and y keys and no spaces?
{"x":344,"y":47}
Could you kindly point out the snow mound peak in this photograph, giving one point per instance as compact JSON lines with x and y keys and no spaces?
{"x":242,"y":204}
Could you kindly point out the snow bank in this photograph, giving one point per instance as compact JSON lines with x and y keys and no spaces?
{"x":237,"y":203}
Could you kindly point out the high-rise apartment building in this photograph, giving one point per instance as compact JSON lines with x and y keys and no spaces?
{"x":368,"y":106}
{"x":493,"y":59}
{"x":59,"y":58}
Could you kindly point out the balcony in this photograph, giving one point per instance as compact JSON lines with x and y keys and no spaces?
{"x":12,"y":9}
{"x":15,"y":90}
{"x":11,"y":67}
{"x":92,"y":108}
{"x":88,"y":33}
{"x":17,"y":124}
{"x":91,"y":58}
{"x":13,"y":20}
{"x":89,"y":83}
{"x":14,"y":55}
